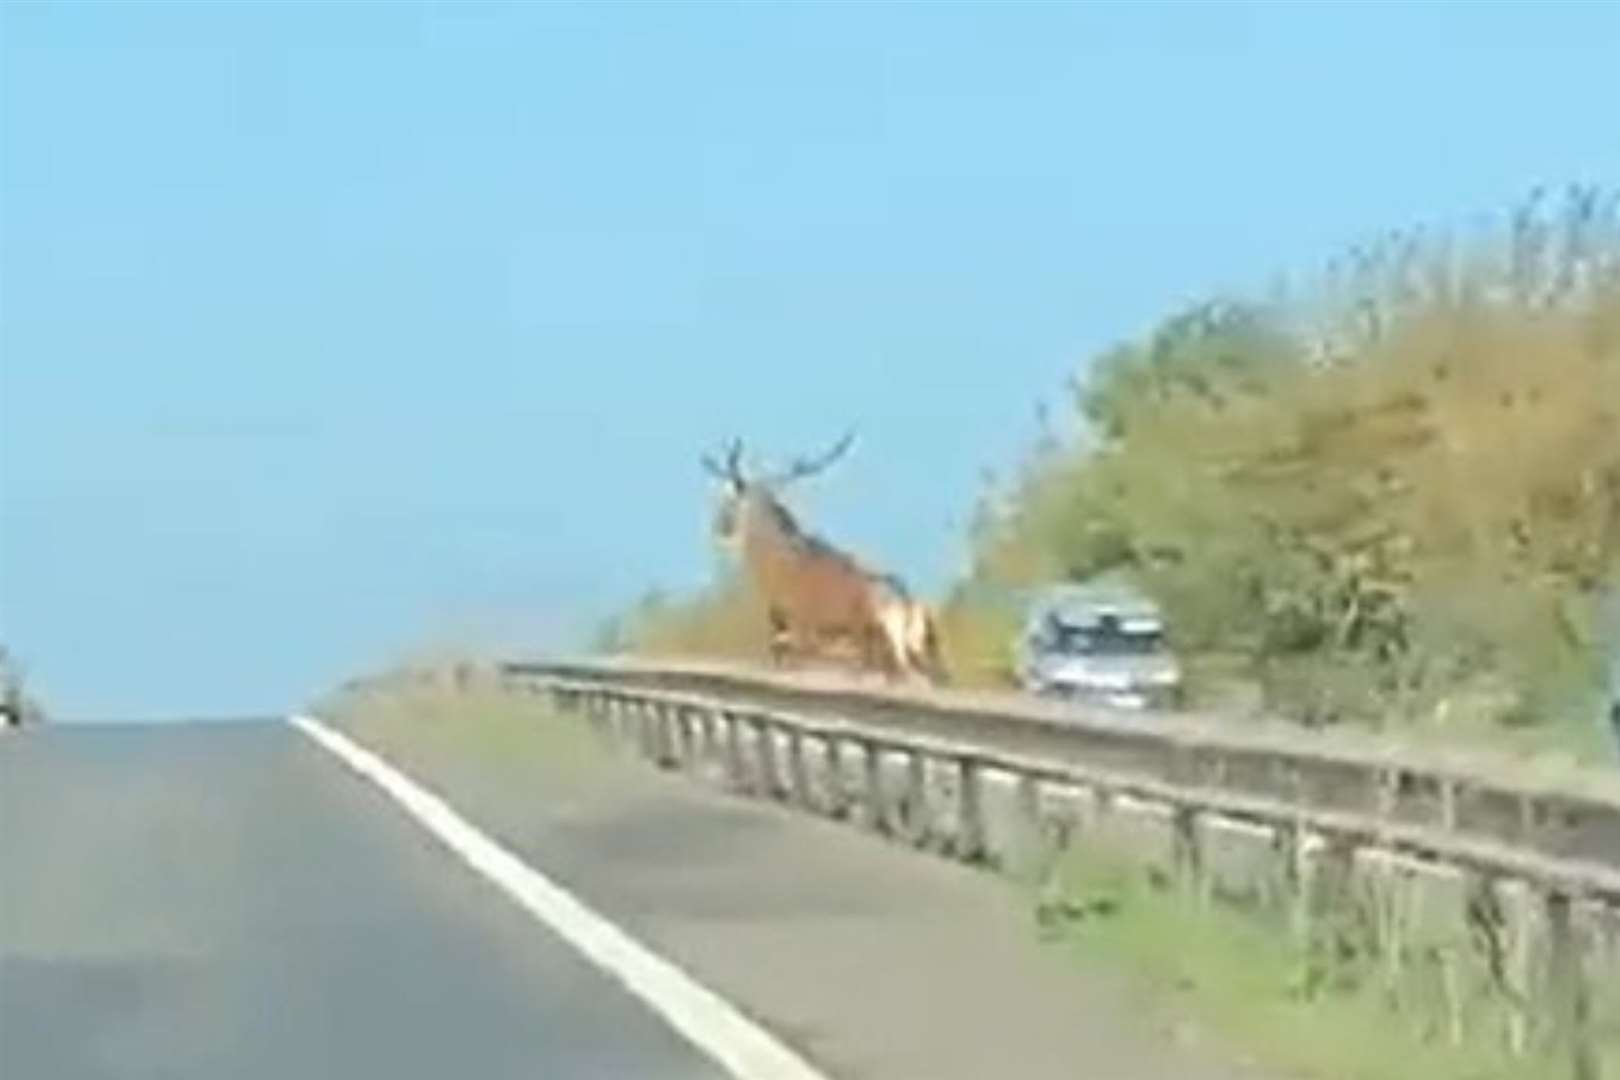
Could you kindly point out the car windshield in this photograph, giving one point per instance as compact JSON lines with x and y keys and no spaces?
{"x":1093,"y":641}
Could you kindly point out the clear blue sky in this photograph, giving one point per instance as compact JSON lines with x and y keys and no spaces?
{"x":328,"y":330}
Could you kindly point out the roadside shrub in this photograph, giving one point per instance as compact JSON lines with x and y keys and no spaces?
{"x":1396,"y":496}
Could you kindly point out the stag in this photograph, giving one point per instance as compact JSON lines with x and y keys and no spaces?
{"x":816,"y":595}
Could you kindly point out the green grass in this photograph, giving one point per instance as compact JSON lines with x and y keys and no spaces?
{"x":1243,"y":981}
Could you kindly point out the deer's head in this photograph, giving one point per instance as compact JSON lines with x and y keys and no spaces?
{"x":741,"y":495}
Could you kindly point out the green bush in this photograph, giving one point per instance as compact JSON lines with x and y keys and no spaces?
{"x":1396,"y":497}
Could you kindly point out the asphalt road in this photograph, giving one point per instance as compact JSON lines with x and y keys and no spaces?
{"x":226,"y":901}
{"x":872,"y":960}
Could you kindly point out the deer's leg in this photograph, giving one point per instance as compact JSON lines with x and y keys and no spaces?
{"x":867,"y":655}
{"x":879,"y":650}
{"x":923,"y":646}
{"x":781,"y":638}
{"x":887,"y":632}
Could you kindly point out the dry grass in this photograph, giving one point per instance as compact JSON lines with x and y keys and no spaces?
{"x":1402,"y":512}
{"x":726,"y":621}
{"x":427,"y":710}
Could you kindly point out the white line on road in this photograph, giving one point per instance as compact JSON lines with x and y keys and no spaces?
{"x":742,"y":1047}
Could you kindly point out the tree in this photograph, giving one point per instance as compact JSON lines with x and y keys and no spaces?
{"x":1393,"y":495}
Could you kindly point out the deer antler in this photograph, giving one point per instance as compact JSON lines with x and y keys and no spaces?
{"x":803,"y":467}
{"x":732,"y":469}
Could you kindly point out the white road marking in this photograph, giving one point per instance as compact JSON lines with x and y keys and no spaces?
{"x":746,"y":1050}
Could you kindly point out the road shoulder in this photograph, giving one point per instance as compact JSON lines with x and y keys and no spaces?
{"x":871,"y":959}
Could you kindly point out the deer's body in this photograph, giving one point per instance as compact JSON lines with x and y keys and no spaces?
{"x":818,"y":596}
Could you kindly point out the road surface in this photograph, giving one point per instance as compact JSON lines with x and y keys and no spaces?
{"x":225,"y":900}
{"x":232,"y":901}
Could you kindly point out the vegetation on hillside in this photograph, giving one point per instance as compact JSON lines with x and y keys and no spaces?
{"x":1392,"y":498}
{"x":726,"y":620}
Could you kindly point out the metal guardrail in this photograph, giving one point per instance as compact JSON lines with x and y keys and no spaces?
{"x":1560,"y":909}
{"x":1525,"y":878}
{"x":1575,"y":877}
{"x":1321,"y":776}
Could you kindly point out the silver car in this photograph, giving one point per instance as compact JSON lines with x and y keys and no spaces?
{"x":1609,"y":631}
{"x":1104,"y":647}
{"x":1612,"y":698}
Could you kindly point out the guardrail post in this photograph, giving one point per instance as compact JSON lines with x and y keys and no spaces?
{"x":657,"y":730}
{"x":1188,"y":853}
{"x":837,"y":790}
{"x":714,"y":736}
{"x":700,"y":741}
{"x":971,"y":845}
{"x":622,"y":714}
{"x":911,"y":809}
{"x":736,"y":770}
{"x":680,"y":737}
{"x":873,"y":799}
{"x":697,"y":733}
{"x":1390,"y":892}
{"x":594,"y":715}
{"x":647,"y":729}
{"x":1517,"y":901}
{"x":627,"y":718}
{"x":1386,"y":790}
{"x":1567,"y":986}
{"x":1297,"y":874}
{"x":798,"y":769}
{"x":1098,"y":818}
{"x":769,"y":781}
{"x":645,"y":732}
{"x":666,"y":720}
{"x":1448,"y":803}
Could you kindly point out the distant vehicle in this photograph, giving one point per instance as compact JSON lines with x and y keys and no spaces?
{"x":11,"y":698}
{"x":1104,"y":644}
{"x":1613,"y":697}
{"x":1614,"y":716}
{"x":1609,"y":623}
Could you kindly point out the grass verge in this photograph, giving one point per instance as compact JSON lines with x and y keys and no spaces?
{"x":482,"y":725}
{"x":1245,"y":983}
{"x":1237,"y":978}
